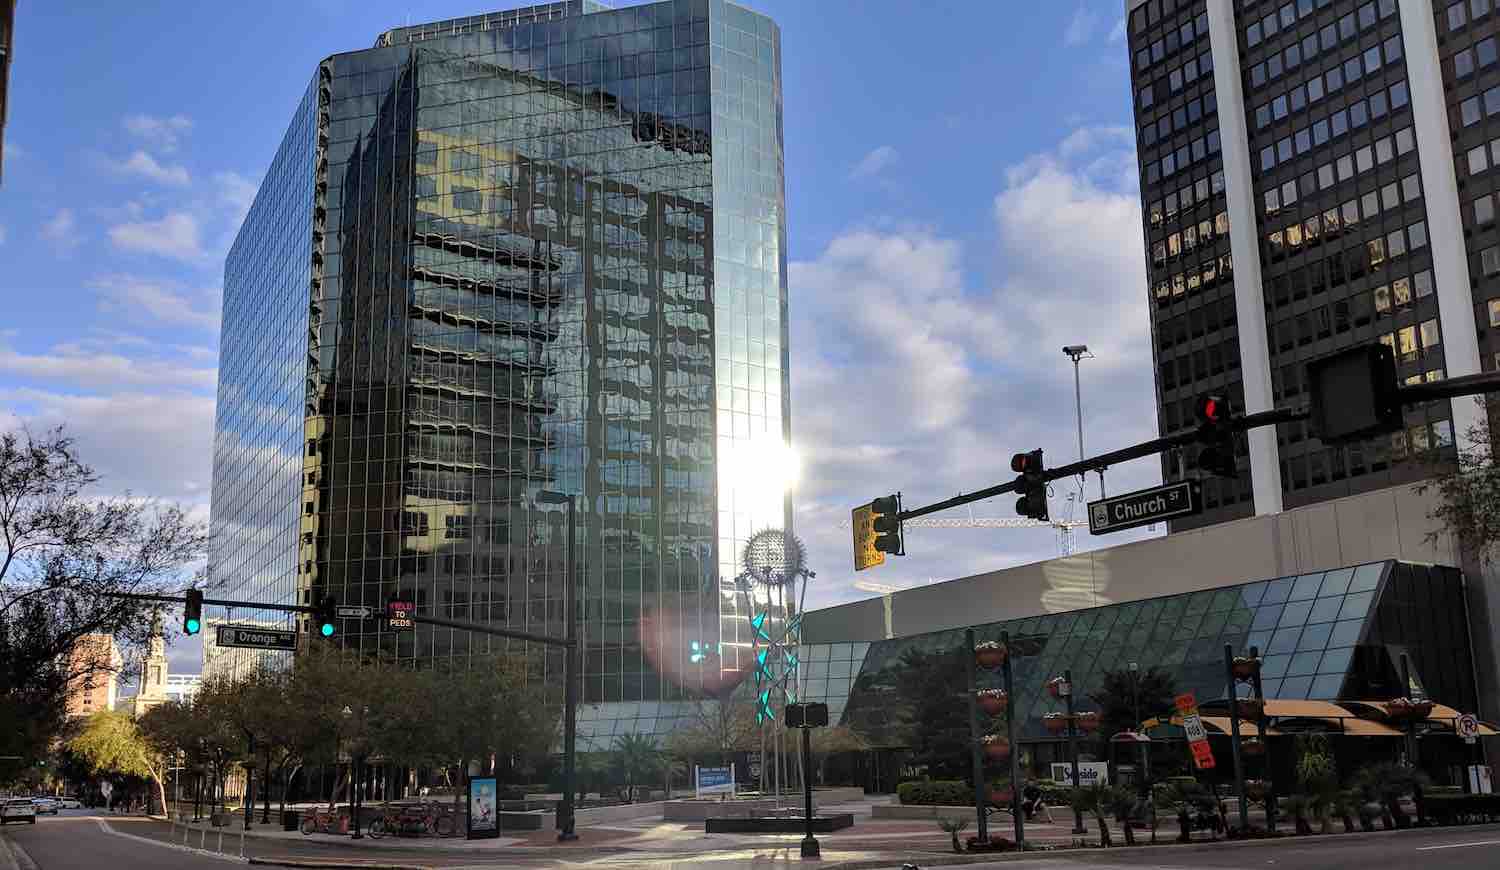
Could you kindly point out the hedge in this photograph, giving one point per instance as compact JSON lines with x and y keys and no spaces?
{"x":940,"y":792}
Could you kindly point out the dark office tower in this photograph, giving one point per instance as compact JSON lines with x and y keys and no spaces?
{"x":540,"y":250}
{"x":1300,"y":197}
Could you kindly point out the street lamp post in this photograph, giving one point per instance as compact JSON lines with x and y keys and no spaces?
{"x":566,"y":816}
{"x":1135,"y":693}
{"x":1067,"y":690}
{"x":1078,"y":352}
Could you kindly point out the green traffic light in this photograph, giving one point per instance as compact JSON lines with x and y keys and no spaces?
{"x":193,"y":626}
{"x":327,"y":629}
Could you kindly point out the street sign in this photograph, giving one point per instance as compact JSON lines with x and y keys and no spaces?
{"x":353,"y":611}
{"x":398,"y":614}
{"x":1197,"y":735}
{"x":254,"y":637}
{"x":865,"y":554}
{"x":1467,"y":727}
{"x":1145,"y":506}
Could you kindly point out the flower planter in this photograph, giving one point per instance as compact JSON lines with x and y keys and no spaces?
{"x":1055,"y":723}
{"x":990,"y":655}
{"x":1087,"y":721}
{"x":993,"y":701}
{"x":1000,"y":796}
{"x":1407,"y":710}
{"x":1244,"y":668}
{"x":996,"y":747}
{"x":1252,"y":747}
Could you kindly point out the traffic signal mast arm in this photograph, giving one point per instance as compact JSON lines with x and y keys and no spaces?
{"x":479,"y":627}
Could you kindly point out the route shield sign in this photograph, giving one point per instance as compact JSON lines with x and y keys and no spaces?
{"x":1146,"y":506}
{"x":865,"y":554}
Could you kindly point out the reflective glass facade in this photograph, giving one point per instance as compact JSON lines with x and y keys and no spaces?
{"x":1324,"y":635}
{"x":537,"y":250}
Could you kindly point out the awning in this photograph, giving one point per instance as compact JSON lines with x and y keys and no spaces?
{"x":1441,"y":715}
{"x":1222,"y":725}
{"x":1278,"y":709}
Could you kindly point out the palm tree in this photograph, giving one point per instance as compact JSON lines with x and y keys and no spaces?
{"x":672,"y":769}
{"x":637,"y":758}
{"x":1094,"y":800}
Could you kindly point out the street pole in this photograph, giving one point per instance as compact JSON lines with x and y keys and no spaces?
{"x":1076,"y":353}
{"x":355,"y":781}
{"x":567,"y":821}
{"x":810,"y":843}
{"x":977,"y":762}
{"x":1234,"y":740}
{"x":1016,"y":813}
{"x":1270,"y":780}
{"x":1078,"y":827}
{"x":1135,"y":693}
{"x":1411,"y":725}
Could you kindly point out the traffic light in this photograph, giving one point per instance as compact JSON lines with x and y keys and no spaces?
{"x":887,"y":524}
{"x":192,"y":612}
{"x":1032,"y":485}
{"x":324,"y":613}
{"x":1214,"y":432}
{"x":1354,"y":394}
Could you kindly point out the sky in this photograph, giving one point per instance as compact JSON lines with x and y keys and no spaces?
{"x":962,"y":202}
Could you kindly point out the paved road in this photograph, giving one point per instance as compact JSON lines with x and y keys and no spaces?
{"x":1466,"y":848}
{"x":74,"y":839}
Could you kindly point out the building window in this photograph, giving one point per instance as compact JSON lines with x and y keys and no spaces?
{"x":1431,"y":338}
{"x":1495,"y":312}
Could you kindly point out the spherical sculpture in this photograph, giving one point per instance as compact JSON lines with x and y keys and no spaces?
{"x":774,"y":557}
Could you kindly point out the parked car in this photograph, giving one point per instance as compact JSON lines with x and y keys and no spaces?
{"x":45,"y":805}
{"x":18,"y":810}
{"x":70,"y":803}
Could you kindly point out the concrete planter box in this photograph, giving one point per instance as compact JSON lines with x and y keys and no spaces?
{"x":920,"y":811}
{"x":778,"y":825}
{"x":824,"y":797}
{"x":699,"y":811}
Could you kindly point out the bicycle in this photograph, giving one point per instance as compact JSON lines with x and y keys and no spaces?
{"x":325,"y":822}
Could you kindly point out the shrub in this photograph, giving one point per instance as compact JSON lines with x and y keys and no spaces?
{"x":938,"y":792}
{"x":1449,"y":809}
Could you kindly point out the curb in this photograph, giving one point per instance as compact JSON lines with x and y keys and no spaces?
{"x":314,"y":862}
{"x":950,"y":860}
{"x":166,"y":844}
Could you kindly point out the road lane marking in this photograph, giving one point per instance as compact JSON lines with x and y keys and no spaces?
{"x":1459,"y":845}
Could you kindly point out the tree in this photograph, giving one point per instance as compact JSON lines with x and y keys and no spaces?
{"x":636,"y":757}
{"x":827,"y":742}
{"x":1319,"y":777}
{"x":111,"y":743}
{"x":1116,"y":698}
{"x":721,"y":727}
{"x":1468,"y":493}
{"x":936,"y":712}
{"x":65,"y":558}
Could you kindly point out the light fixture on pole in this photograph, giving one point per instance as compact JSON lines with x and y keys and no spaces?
{"x":1078,"y":352}
{"x":566,"y":817}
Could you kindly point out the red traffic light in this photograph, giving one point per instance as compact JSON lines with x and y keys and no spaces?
{"x":1026,"y":463}
{"x":1212,"y":409}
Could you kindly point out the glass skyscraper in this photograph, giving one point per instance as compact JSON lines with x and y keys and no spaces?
{"x":539,"y":249}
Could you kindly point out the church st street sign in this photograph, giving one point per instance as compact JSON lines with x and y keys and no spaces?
{"x":1145,"y":506}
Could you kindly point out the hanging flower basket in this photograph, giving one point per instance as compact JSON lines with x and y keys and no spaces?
{"x":996,"y":746}
{"x":1253,"y":709}
{"x":1252,"y":747}
{"x":1055,"y":723}
{"x":1087,"y":721}
{"x":1055,"y":687}
{"x":993,"y":701}
{"x":990,"y":654}
{"x":1244,"y":667}
{"x":1407,"y":710}
{"x":1001,"y":796}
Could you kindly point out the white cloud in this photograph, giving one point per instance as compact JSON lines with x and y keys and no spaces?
{"x":61,"y":230}
{"x":878,"y":160}
{"x":92,"y":365}
{"x":1080,"y":27}
{"x":237,"y":193}
{"x":176,"y":235}
{"x":155,"y":301}
{"x":143,"y":164}
{"x":152,"y":443}
{"x":1117,"y":33}
{"x":163,"y":133}
{"x":909,"y":373}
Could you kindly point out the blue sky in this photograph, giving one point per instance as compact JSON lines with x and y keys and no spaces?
{"x":961,"y":202}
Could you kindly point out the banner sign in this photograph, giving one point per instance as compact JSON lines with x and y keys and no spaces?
{"x":1197,"y":735}
{"x":1091,"y":772}
{"x":484,"y":824}
{"x":714,"y":780}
